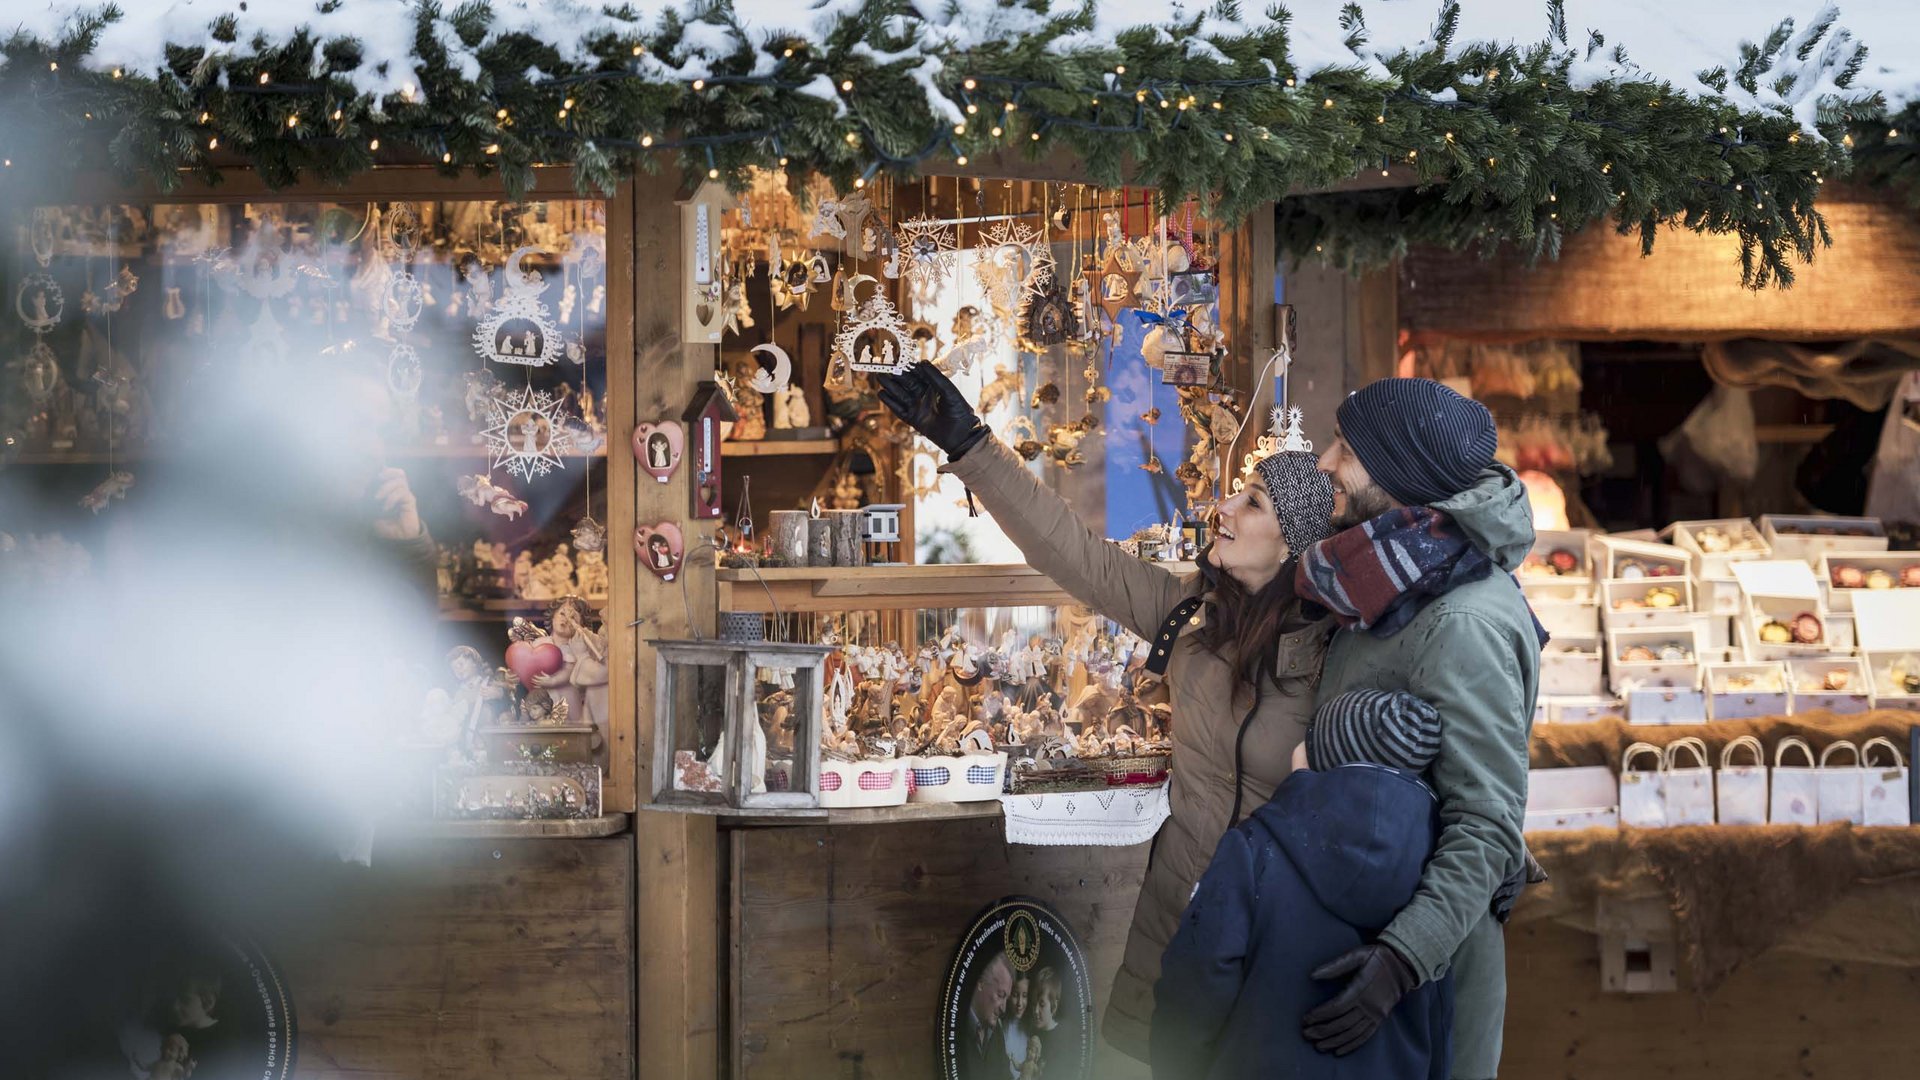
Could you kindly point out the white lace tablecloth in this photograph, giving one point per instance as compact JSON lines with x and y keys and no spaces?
{"x":1116,"y":817}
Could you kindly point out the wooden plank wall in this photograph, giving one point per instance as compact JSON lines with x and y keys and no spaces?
{"x":451,"y":960}
{"x":1689,"y":289}
{"x":1348,"y":327}
{"x":842,"y":935}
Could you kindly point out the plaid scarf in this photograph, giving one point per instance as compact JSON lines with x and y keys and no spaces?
{"x":1377,"y":575}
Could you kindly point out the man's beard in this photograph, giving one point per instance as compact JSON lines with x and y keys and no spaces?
{"x":1363,"y":505}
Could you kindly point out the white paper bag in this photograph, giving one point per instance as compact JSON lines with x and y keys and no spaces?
{"x":1741,"y":790}
{"x":1689,"y":787}
{"x":1796,"y":788}
{"x":1840,"y":785}
{"x":1883,"y":797}
{"x":1643,"y":794}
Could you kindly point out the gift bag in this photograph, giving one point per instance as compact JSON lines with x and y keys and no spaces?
{"x":1689,"y":787}
{"x":1883,"y":795}
{"x":1796,"y":789}
{"x":1643,"y":799}
{"x":1741,"y":790}
{"x":1840,"y":785}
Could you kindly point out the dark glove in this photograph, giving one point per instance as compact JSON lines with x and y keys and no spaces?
{"x":1380,"y":978}
{"x":1504,"y":897}
{"x":930,"y":404}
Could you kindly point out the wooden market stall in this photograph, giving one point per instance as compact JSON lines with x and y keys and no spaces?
{"x":614,"y":855}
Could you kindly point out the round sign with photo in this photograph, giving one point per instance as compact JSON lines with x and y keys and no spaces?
{"x":1017,"y":1000}
{"x":213,"y":1011}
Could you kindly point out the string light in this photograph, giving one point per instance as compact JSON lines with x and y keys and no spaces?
{"x":501,"y":115}
{"x":293,"y":121}
{"x":1327,"y":104}
{"x":264,"y":79}
{"x":699,"y":85}
{"x":337,"y":114}
{"x":213,"y":144}
{"x":562,"y":114}
{"x":1229,"y":136}
{"x":568,"y":104}
{"x":959,"y":129}
{"x":846,"y":86}
{"x":53,"y":65}
{"x":646,"y":140}
{"x":972,"y":108}
{"x":204,"y":117}
{"x":373,"y":144}
{"x":116,"y":73}
{"x":638,"y":49}
{"x":1119,"y":69}
{"x":996,"y":131}
{"x":1449,"y":136}
{"x":961,"y":160}
{"x":493,"y":148}
{"x":447,"y":158}
{"x":971,"y":85}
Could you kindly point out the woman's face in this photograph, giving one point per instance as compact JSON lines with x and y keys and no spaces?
{"x":1017,"y":1001}
{"x":1247,"y":542}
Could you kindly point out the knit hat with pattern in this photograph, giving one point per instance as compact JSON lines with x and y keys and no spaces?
{"x":1381,"y":727}
{"x":1302,"y":495}
{"x":1421,"y":441}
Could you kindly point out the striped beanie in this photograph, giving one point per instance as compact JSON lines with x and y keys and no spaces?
{"x":1302,"y":496}
{"x":1421,"y":441}
{"x":1380,"y":727}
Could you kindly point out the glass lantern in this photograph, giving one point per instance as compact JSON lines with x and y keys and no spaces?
{"x":738,"y":723}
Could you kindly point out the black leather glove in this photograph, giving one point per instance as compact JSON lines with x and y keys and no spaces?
{"x":1379,"y":979}
{"x":1508,"y":894}
{"x":930,"y":404}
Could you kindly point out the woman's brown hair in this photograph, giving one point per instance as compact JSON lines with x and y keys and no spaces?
{"x":1244,"y":627}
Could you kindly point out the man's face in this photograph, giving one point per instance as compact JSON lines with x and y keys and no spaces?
{"x":990,"y":996}
{"x":1356,"y":497}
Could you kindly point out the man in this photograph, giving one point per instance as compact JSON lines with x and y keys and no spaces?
{"x":983,"y":1050}
{"x":1421,"y":583}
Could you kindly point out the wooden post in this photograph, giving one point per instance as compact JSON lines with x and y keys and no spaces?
{"x":623,"y":476}
{"x":677,"y":934}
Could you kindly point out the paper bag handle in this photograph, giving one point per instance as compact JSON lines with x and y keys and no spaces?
{"x":1791,"y":742}
{"x":1626,"y":760}
{"x":1692,"y":745}
{"x":1744,"y":742}
{"x":1840,"y":744}
{"x":1866,"y":751}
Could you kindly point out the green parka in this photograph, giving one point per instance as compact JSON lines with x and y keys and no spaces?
{"x":1210,"y":705}
{"x":1475,"y":655}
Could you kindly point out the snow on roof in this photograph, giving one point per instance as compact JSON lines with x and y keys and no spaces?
{"x":1672,"y":40}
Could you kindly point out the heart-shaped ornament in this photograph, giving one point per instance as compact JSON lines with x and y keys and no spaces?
{"x":526,"y":659}
{"x":659,"y":547}
{"x":658,"y":448}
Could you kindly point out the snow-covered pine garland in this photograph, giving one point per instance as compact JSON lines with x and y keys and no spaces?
{"x":1510,"y":143}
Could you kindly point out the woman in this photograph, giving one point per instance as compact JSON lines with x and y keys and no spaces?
{"x":1240,"y":666}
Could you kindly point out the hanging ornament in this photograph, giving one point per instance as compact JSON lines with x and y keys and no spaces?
{"x":1048,"y":319}
{"x":480,"y":490}
{"x":930,"y":251}
{"x":874,"y":321}
{"x":40,"y":374}
{"x":40,"y":303}
{"x":840,"y":218}
{"x":526,"y":433}
{"x":113,"y":296}
{"x":175,"y":307}
{"x":658,"y":448}
{"x":1111,"y":287}
{"x":404,"y":372}
{"x":115,"y":486}
{"x":589,"y":535}
{"x":401,"y":232}
{"x":660,"y":547}
{"x":518,"y":330}
{"x":775,"y":381}
{"x":1012,"y":262}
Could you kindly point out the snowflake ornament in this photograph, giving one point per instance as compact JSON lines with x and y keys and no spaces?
{"x":527,"y":433}
{"x":929,"y":249}
{"x":1287,"y":429}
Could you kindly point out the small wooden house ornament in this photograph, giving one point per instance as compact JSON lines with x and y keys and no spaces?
{"x":703,"y":417}
{"x":765,"y":749}
{"x":703,"y":316}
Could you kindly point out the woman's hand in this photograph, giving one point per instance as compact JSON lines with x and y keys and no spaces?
{"x":928,"y":402}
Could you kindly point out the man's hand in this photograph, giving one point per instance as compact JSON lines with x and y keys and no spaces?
{"x":399,"y":514}
{"x":1379,"y":979}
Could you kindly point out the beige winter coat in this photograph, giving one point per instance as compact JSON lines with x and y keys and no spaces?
{"x":1209,"y":703}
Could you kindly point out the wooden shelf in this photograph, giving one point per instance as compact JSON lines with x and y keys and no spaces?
{"x":568,"y":829}
{"x":1796,"y":434}
{"x":892,"y":588}
{"x":501,"y":610}
{"x":124,"y":457}
{"x":780,"y":448}
{"x":736,"y":818}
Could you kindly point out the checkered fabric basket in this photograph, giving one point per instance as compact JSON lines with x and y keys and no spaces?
{"x":845,"y":784}
{"x":965,"y":778}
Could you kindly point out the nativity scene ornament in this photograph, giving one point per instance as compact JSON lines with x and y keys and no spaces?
{"x":874,"y":337}
{"x":526,"y":433}
{"x":518,"y":329}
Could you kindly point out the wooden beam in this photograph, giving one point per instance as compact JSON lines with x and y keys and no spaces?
{"x":1347,"y":329}
{"x":677,"y":929}
{"x":622,"y":784}
{"x":238,"y":185}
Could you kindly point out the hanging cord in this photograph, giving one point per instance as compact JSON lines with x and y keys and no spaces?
{"x":707,"y":546}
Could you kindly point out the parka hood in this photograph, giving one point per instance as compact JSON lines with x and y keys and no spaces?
{"x":1359,"y":835}
{"x":1495,"y":515}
